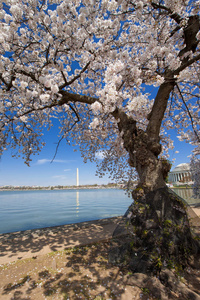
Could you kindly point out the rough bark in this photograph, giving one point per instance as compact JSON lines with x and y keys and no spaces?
{"x":160,"y":225}
{"x":158,"y":221}
{"x":144,"y":148}
{"x":160,"y":234}
{"x":160,"y":104}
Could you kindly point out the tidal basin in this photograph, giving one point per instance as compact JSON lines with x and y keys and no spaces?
{"x":24,"y":210}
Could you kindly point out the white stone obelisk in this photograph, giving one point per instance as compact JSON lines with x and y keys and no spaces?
{"x":77,"y":177}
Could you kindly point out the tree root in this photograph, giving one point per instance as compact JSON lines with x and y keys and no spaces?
{"x":166,"y":286}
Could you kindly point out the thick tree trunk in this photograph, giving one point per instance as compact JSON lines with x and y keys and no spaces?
{"x":161,"y":233}
{"x":143,"y":155}
{"x":157,"y":219}
{"x":152,"y":171}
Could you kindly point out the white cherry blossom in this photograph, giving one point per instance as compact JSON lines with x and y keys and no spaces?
{"x":92,"y":62}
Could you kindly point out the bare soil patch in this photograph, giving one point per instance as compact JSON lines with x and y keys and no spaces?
{"x":84,"y":272}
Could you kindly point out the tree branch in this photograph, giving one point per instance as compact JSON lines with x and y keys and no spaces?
{"x":3,"y":80}
{"x":160,"y":104}
{"x":31,"y":75}
{"x":75,"y":77}
{"x":187,"y":64}
{"x":190,"y":39}
{"x":78,"y":119}
{"x":8,"y":85}
{"x":190,"y":116}
{"x":58,"y":144}
{"x":67,"y":97}
{"x":172,"y":15}
{"x":75,"y":122}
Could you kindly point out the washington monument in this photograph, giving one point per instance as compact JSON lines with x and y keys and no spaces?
{"x":77,"y":177}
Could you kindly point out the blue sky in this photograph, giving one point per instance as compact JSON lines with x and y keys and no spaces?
{"x":63,"y":170}
{"x":43,"y":172}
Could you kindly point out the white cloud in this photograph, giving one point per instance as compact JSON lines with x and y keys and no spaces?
{"x":67,"y":170}
{"x":44,"y":161}
{"x":100,"y":154}
{"x":59,"y":177}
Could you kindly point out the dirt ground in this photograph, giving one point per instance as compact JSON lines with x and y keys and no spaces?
{"x":76,"y":273}
{"x":83,"y":273}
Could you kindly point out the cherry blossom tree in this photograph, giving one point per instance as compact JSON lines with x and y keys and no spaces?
{"x":117,"y":75}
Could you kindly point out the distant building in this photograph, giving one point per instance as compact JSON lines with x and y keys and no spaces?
{"x":180,"y":174}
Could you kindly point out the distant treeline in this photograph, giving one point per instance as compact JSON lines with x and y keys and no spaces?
{"x":109,"y":185}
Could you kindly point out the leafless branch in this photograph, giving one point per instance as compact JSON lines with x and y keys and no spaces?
{"x":28,"y":74}
{"x":8,"y":85}
{"x":78,"y":119}
{"x":189,"y":114}
{"x":187,"y":64}
{"x":75,"y":77}
{"x":67,"y":97}
{"x":70,"y":128}
{"x":172,"y":15}
{"x":56,"y":151}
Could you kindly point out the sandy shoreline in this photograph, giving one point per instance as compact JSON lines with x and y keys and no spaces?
{"x":77,"y":273}
{"x":32,"y":243}
{"x":194,"y":214}
{"x":197,"y":211}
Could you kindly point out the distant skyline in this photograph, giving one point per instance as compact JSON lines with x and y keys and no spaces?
{"x":63,"y":170}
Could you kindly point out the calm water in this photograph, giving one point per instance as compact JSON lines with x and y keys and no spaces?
{"x":187,"y":194}
{"x":22,"y":210}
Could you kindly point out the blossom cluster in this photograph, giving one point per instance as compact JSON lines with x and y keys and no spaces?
{"x":110,"y":56}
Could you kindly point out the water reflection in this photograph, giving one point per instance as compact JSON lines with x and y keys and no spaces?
{"x":77,"y":203}
{"x":186,"y":194}
{"x":37,"y":209}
